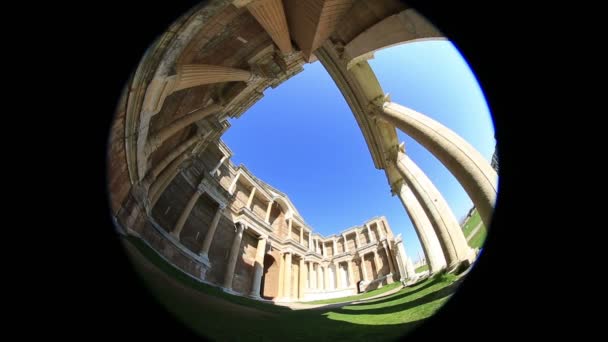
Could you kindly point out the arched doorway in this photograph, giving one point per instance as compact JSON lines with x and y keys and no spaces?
{"x":270,"y":278}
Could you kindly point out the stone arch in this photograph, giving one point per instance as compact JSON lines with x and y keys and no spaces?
{"x":269,"y":287}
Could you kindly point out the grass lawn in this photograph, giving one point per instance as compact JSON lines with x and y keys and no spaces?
{"x":213,"y":313}
{"x":371,"y":293}
{"x":421,"y":268}
{"x":477,"y":240}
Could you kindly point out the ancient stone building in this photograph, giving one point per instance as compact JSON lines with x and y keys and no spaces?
{"x":172,"y":183}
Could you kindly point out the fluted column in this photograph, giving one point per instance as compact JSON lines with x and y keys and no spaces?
{"x":310,"y":282}
{"x":288,"y":267}
{"x":186,"y":212}
{"x":351,"y":276}
{"x":423,"y":228}
{"x":182,"y":149}
{"x":268,"y":211}
{"x":270,"y":14}
{"x":472,"y":171}
{"x":211,"y":232}
{"x":234,"y":254}
{"x":281,"y":275}
{"x":446,"y":226}
{"x":251,"y":196}
{"x":156,"y":140}
{"x":259,"y":266}
{"x":302,"y":279}
{"x":192,"y":75}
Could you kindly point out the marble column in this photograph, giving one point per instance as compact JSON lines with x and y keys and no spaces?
{"x":351,"y":276}
{"x":234,"y":254}
{"x":345,"y":243}
{"x":192,"y":75}
{"x":357,"y":239}
{"x":302,"y":278}
{"x":302,"y":236}
{"x":324,"y":249}
{"x":335,"y":249}
{"x":219,"y":164}
{"x":288,"y":267}
{"x":268,"y":212}
{"x":232,"y":186}
{"x":369,"y":233}
{"x":470,"y":168}
{"x":281,"y":275}
{"x":259,"y":267}
{"x":377,"y":262}
{"x":204,"y":253}
{"x":270,"y":14}
{"x":186,"y":212}
{"x":366,"y":277}
{"x":310,"y":282}
{"x":319,"y":277}
{"x":389,"y":257}
{"x":156,"y":140}
{"x":409,"y":268}
{"x":449,"y":233}
{"x":337,"y":276}
{"x":423,"y":228}
{"x":251,"y":196}
{"x":289,"y":228}
{"x":326,"y":274}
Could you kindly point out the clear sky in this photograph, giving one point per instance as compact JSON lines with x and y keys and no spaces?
{"x":303,"y":139}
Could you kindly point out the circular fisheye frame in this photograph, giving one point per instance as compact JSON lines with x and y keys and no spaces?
{"x":204,"y":199}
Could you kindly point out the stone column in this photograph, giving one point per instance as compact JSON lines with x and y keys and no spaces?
{"x":310,"y":283}
{"x":288,"y":267}
{"x":351,"y":276}
{"x":337,"y":275}
{"x":250,"y":200}
{"x":326,"y":274}
{"x":289,"y":228}
{"x":319,"y":278}
{"x":377,"y":262}
{"x":470,"y":168}
{"x":358,"y":239}
{"x":302,"y":278}
{"x":364,"y":268}
{"x":446,"y":226}
{"x":423,"y":228}
{"x":270,"y":14}
{"x":204,"y":253}
{"x":409,"y":268}
{"x":388,"y":257}
{"x":335,"y":251}
{"x":302,"y":236}
{"x":310,"y":241}
{"x":234,"y":254}
{"x":168,"y":131}
{"x":186,"y":212}
{"x":369,"y":233}
{"x":192,"y":75}
{"x":217,"y":167}
{"x":345,"y":243}
{"x":232,"y":186}
{"x":281,"y":274}
{"x":259,"y":267}
{"x":268,"y":211}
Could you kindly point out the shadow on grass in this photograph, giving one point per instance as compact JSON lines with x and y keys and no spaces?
{"x":218,"y":316}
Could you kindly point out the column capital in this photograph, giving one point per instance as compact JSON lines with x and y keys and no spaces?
{"x":255,"y":78}
{"x":263,"y":237}
{"x":376,"y":104}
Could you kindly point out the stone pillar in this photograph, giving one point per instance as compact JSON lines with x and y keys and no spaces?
{"x":288,"y":267}
{"x":289,"y":228}
{"x":470,"y":168}
{"x":259,"y":267}
{"x":234,"y":254}
{"x":388,"y":257}
{"x":302,"y":278}
{"x":204,"y":253}
{"x":377,"y":262}
{"x":446,"y":226}
{"x":409,"y":268}
{"x":232,"y":186}
{"x":335,"y":251}
{"x":270,"y":14}
{"x":324,"y":249}
{"x":268,"y":211}
{"x":337,"y":276}
{"x":186,"y":212}
{"x":424,"y":229}
{"x":351,"y":276}
{"x":310,"y":283}
{"x":310,"y":241}
{"x":319,"y":277}
{"x":326,"y":274}
{"x":183,"y":149}
{"x":250,"y":200}
{"x":168,"y":131}
{"x":302,"y":236}
{"x":345,"y":243}
{"x":192,"y":75}
{"x":217,"y":167}
{"x":369,"y":233}
{"x":358,"y":239}
{"x":364,"y":268}
{"x":281,"y":274}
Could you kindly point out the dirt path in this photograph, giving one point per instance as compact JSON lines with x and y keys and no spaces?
{"x":474,"y":232}
{"x":156,"y":279}
{"x":303,"y":306}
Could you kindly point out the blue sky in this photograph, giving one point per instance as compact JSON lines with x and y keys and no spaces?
{"x":303,"y":139}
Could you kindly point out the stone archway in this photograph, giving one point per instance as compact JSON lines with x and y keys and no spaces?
{"x":270,"y":278}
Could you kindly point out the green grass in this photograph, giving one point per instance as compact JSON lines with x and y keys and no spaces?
{"x":371,"y":293}
{"x":477,"y":240}
{"x":388,"y":317}
{"x":421,"y":269}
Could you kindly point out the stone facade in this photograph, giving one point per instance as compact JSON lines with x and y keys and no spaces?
{"x":172,"y":183}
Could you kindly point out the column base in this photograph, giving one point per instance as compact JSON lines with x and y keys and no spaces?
{"x":204,"y":258}
{"x":230,"y":291}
